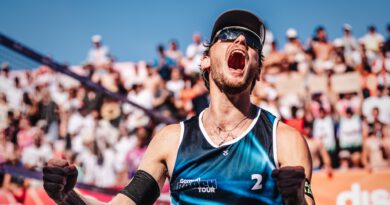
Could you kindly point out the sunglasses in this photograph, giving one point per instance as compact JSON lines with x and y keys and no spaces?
{"x":231,"y":34}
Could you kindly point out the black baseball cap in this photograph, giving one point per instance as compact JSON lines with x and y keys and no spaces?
{"x":240,"y":18}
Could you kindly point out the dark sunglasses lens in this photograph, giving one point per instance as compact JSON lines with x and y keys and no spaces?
{"x":231,"y":35}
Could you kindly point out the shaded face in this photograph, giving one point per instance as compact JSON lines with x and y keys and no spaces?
{"x":197,"y":39}
{"x":321,"y":34}
{"x":173,"y":45}
{"x":233,"y":65}
{"x":375,"y":112}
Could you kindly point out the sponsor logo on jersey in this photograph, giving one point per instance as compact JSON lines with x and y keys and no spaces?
{"x":202,"y":185}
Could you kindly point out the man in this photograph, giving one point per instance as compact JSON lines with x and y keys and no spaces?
{"x":322,"y":51}
{"x":232,"y":153}
{"x":98,"y":55}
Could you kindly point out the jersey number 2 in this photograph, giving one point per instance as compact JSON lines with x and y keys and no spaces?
{"x":258,"y":184}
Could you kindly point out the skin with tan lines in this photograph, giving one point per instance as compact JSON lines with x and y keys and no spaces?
{"x":230,"y":91}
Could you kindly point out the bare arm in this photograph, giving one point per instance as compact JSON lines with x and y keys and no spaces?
{"x":155,"y":161}
{"x":293,"y":150}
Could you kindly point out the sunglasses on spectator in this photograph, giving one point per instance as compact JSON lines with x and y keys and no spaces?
{"x":230,"y":34}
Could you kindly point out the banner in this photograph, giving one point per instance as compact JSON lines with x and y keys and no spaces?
{"x":352,"y":187}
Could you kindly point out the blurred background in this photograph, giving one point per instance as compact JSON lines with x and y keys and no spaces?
{"x":326,"y":72}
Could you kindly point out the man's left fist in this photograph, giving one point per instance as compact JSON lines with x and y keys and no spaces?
{"x":290,"y":182}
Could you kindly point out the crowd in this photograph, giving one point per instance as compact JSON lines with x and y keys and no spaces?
{"x":336,"y":93}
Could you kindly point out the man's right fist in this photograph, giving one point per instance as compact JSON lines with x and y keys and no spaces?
{"x":59,"y":178}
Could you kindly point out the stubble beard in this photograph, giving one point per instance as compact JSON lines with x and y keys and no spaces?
{"x":228,"y":87}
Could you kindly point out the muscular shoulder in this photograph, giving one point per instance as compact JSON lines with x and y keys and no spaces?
{"x":292,"y":148}
{"x":166,"y":139}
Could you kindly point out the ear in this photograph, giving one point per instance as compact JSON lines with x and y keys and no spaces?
{"x":205,"y":63}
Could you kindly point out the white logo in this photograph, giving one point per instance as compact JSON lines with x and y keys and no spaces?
{"x":225,"y":152}
{"x":203,"y":185}
{"x":357,"y":196}
{"x":258,"y":184}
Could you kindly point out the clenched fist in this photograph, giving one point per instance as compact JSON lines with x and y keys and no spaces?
{"x":59,"y":179}
{"x":290,"y":182}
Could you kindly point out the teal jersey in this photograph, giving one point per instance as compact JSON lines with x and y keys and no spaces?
{"x":237,"y":172}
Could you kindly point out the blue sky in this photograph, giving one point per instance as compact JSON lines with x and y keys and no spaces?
{"x":132,"y":29}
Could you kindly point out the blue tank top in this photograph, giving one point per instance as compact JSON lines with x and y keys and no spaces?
{"x":237,"y":172}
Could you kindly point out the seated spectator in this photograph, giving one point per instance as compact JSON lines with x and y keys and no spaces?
{"x":351,"y":46}
{"x":350,"y":132}
{"x":36,"y":155}
{"x":176,"y":83}
{"x":295,"y":52}
{"x":319,"y":155}
{"x":98,"y":55}
{"x":348,"y":100}
{"x":134,"y":155}
{"x":382,"y":102}
{"x":323,"y":129}
{"x":163,"y":63}
{"x":373,"y":153}
{"x":194,"y":54}
{"x":174,"y":53}
{"x":322,"y":51}
{"x":371,"y":42}
{"x":296,"y":121}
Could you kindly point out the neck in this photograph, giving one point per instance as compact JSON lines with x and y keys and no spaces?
{"x":225,"y":110}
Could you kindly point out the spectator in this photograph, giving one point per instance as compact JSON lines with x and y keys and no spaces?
{"x":36,"y":155}
{"x":294,"y":51}
{"x":48,"y":111}
{"x":3,"y":110}
{"x":98,"y":55}
{"x":296,"y":121}
{"x":350,"y":132}
{"x":348,"y":100}
{"x":319,"y":155}
{"x":5,"y":78}
{"x":387,"y":43}
{"x":163,"y":63}
{"x":323,"y":129}
{"x":104,"y":172}
{"x":382,"y":102}
{"x":351,"y":46}
{"x":194,"y":54}
{"x":371,"y":42}
{"x":176,"y":83}
{"x":134,"y":155}
{"x":322,"y":51}
{"x":373,"y":153}
{"x":269,"y":39}
{"x":25,"y":136}
{"x":174,"y":53}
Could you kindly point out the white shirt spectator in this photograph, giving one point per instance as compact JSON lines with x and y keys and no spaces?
{"x":269,"y":38}
{"x":324,"y":130}
{"x":99,"y":56}
{"x":350,"y":132}
{"x":123,"y":146}
{"x":104,"y":174}
{"x":37,"y":156}
{"x":88,"y":161}
{"x":175,"y":86}
{"x":194,"y":55}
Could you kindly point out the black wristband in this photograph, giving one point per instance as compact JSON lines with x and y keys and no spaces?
{"x":143,"y":189}
{"x":72,"y":198}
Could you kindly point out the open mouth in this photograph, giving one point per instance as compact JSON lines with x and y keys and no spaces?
{"x":236,"y":60}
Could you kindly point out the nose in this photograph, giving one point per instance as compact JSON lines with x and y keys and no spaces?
{"x":241,"y":40}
